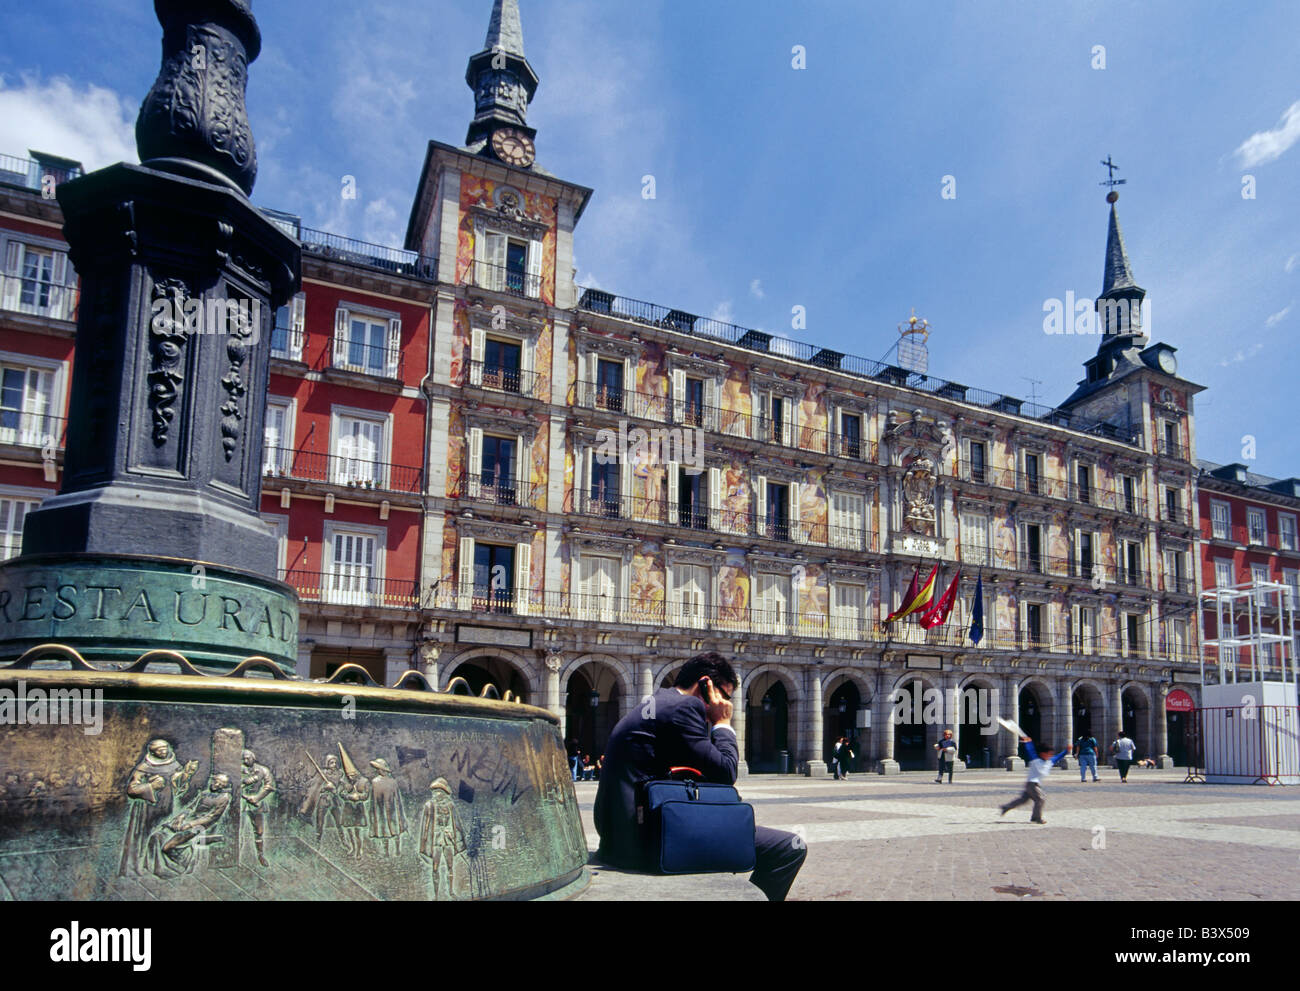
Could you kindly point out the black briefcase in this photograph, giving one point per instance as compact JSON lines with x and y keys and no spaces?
{"x":693,"y":827}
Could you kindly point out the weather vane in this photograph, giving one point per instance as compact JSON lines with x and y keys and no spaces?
{"x":1110,"y":180}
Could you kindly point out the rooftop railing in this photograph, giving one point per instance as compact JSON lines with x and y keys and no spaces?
{"x":28,"y":173}
{"x":599,"y":301}
{"x":410,"y":264}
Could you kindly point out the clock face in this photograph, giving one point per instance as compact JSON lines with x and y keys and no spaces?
{"x":1168,"y":363}
{"x":513,"y":147}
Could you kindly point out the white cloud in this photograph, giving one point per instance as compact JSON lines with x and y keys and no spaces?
{"x":1239,"y":356}
{"x":1277,"y":317}
{"x":756,"y":289}
{"x":1292,"y":263}
{"x":724,"y":313}
{"x":381,"y":224}
{"x":91,"y":124}
{"x":1266,"y":146}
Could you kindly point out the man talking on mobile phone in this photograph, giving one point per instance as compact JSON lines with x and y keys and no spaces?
{"x":688,"y":725}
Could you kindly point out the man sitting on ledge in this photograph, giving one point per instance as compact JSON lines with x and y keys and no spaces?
{"x":681,"y":727}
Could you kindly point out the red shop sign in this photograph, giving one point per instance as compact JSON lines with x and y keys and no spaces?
{"x":1179,"y":701}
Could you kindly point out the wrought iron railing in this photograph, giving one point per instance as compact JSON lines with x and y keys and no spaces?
{"x":599,"y":301}
{"x":498,"y":378}
{"x":488,"y":487}
{"x":513,"y":282}
{"x":39,"y":298}
{"x":28,"y":173}
{"x":23,"y":429}
{"x":348,"y":355}
{"x":353,"y":587}
{"x":354,"y":473}
{"x":410,"y":264}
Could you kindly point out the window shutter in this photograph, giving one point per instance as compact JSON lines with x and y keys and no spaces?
{"x":527,"y":360}
{"x":715,"y":499}
{"x":711,"y":404}
{"x":593,"y":365}
{"x":495,"y":277}
{"x":679,"y":395}
{"x":763,"y":429}
{"x":394,"y":346}
{"x":790,"y":413}
{"x":588,"y":457}
{"x":760,"y":507}
{"x":475,"y":463}
{"x":523,"y":577}
{"x":629,"y":386}
{"x":340,"y":337}
{"x":477,"y":348}
{"x":796,"y":531}
{"x":466,"y":575}
{"x":523,"y":470}
{"x":297,"y":325}
{"x":625,"y":486}
{"x":673,"y":593}
{"x":344,"y":452}
{"x":674,"y":492}
{"x":13,"y":283}
{"x":535,"y":254}
{"x":60,"y":307}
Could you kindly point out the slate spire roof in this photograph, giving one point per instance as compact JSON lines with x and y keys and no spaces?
{"x":505,"y":31}
{"x":1119,"y":273}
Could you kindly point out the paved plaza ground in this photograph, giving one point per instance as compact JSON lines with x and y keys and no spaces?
{"x":903,"y":837}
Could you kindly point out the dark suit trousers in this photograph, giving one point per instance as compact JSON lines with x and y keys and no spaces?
{"x":777,"y":858}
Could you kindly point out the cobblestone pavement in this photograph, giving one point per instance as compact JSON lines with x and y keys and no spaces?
{"x":904,"y":837}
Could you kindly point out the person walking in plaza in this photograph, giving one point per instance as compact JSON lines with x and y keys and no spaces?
{"x":1123,"y":748}
{"x":1039,"y":768}
{"x":947,"y":748}
{"x":1086,"y":750}
{"x":840,"y":760}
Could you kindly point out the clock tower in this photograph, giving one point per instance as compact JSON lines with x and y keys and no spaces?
{"x":504,"y":85}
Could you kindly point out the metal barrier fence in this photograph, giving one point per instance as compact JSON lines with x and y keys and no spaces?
{"x":1244,"y":744}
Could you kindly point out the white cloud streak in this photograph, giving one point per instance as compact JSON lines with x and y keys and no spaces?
{"x":89,"y":123}
{"x":1267,"y":146}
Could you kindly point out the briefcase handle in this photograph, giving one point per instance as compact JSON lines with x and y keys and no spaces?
{"x":678,"y":773}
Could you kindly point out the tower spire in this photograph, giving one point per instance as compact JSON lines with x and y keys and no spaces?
{"x":1119,"y":307}
{"x":504,"y":84}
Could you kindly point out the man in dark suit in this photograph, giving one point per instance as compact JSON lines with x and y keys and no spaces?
{"x":688,"y":725}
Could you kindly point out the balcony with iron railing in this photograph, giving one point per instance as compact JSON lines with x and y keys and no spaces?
{"x":730,"y":423}
{"x":499,"y":378}
{"x":1245,"y":535}
{"x":374,"y":360}
{"x":777,"y":618}
{"x":492,"y":489}
{"x":503,"y":279}
{"x":395,"y":261}
{"x":353,"y":473}
{"x":35,"y":175}
{"x":36,"y":430}
{"x":1055,"y":566}
{"x":39,"y":298}
{"x":661,"y":512}
{"x":1167,"y":448}
{"x":607,"y":304}
{"x":1177,"y":514}
{"x":1178,"y":585}
{"x":353,"y":587}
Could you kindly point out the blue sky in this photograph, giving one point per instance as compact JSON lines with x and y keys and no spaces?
{"x":818,"y":188}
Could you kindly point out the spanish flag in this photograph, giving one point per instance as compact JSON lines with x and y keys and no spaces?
{"x":916,"y":597}
{"x":940,"y":609}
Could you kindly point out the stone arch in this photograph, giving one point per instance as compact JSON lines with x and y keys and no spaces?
{"x":851,"y":686}
{"x":586,"y":726}
{"x":914,"y":732}
{"x":1044,"y":721}
{"x":623,"y":673}
{"x":1140,"y":725}
{"x":977,"y":704}
{"x":483,"y":658}
{"x":768,"y":733}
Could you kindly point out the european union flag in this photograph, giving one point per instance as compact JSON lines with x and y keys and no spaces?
{"x":977,"y":612}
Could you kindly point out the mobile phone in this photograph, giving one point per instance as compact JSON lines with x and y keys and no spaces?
{"x":704,"y":689}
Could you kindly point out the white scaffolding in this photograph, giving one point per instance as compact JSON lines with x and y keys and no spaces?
{"x":1268,"y":640}
{"x":1249,"y":723}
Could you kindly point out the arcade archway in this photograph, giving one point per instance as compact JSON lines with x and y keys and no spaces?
{"x":768,"y":738}
{"x":977,"y":724}
{"x":592,"y":707}
{"x":918,"y":722}
{"x":488,"y":670}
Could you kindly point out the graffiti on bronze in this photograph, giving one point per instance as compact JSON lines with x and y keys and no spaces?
{"x":488,"y":764}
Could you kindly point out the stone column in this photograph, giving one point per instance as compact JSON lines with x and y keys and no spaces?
{"x":1008,"y":742}
{"x":554,"y":662}
{"x":882,"y":731}
{"x":429,"y":654}
{"x":1160,"y":726}
{"x":1063,"y":734}
{"x":738,"y":719}
{"x":1115,"y":724}
{"x":814,"y":765}
{"x":303,"y":670}
{"x":397,"y":661}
